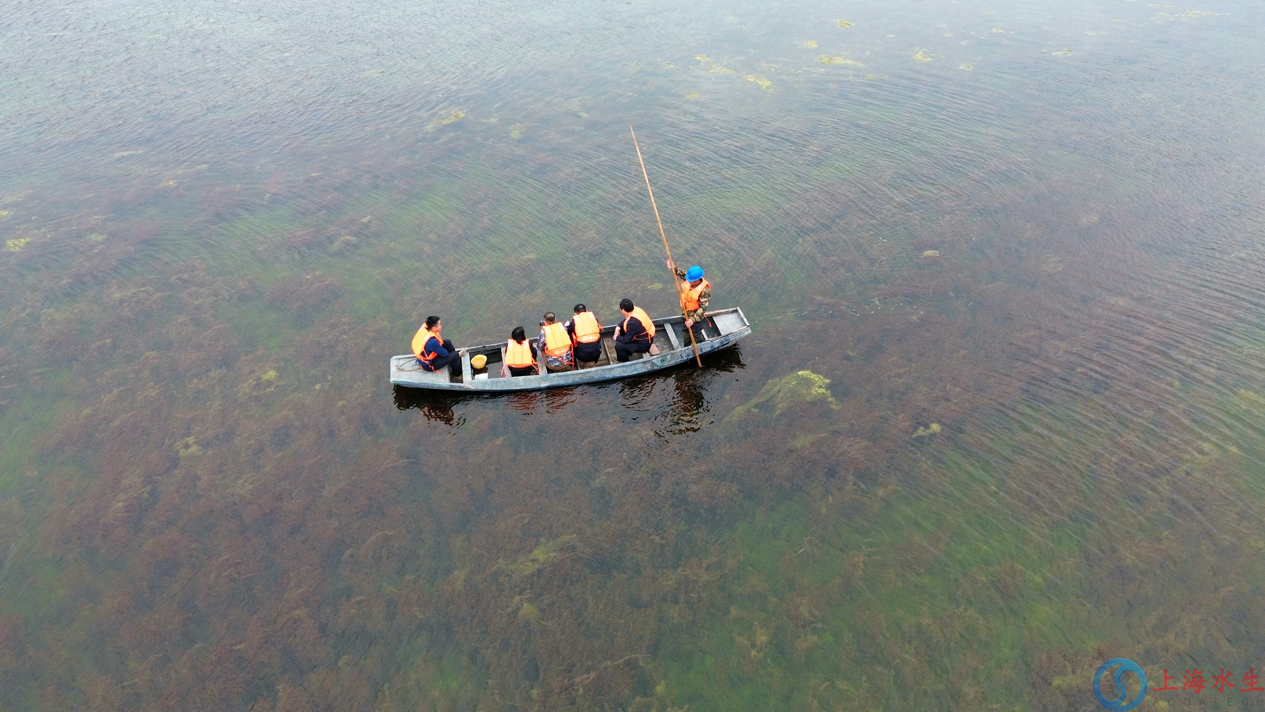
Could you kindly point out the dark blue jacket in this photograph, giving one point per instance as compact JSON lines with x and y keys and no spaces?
{"x":435,"y":346}
{"x":635,"y":331}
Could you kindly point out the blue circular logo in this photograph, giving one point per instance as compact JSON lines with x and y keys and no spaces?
{"x":1118,"y":704}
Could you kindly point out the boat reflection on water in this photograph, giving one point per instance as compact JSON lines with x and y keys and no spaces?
{"x":685,"y":409}
{"x":434,"y":405}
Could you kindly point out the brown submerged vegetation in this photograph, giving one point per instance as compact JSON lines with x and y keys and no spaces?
{"x":225,"y":515}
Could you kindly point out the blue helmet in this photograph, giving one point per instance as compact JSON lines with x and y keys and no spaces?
{"x":694,"y":273}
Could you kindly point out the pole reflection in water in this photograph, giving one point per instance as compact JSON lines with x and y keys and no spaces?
{"x":689,"y":389}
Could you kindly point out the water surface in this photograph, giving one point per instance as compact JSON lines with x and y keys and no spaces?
{"x":999,"y":419}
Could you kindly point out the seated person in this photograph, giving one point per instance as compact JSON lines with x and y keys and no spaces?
{"x":520,"y":355}
{"x":586,"y":335}
{"x":635,"y":335}
{"x":556,"y":345}
{"x":432,"y":350}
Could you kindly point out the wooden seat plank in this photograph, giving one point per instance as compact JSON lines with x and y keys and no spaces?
{"x":608,"y":348}
{"x":676,"y":344}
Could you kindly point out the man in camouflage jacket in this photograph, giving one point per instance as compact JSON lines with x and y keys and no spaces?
{"x":697,"y":294}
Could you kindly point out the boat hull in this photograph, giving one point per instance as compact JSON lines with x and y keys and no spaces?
{"x":730,"y":326}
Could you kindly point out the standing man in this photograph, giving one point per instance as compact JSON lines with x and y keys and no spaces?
{"x":586,"y":335}
{"x":696,"y":294}
{"x":555,"y":344}
{"x":635,"y":335}
{"x":432,"y":350}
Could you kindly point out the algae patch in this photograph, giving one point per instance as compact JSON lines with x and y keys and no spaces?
{"x":188,"y":447}
{"x":542,"y":555}
{"x":716,"y":67}
{"x":763,"y":83}
{"x":528,"y":613}
{"x":827,"y":59}
{"x":16,"y":245}
{"x":844,"y":24}
{"x":789,"y":391}
{"x":809,"y":43}
{"x":261,"y":383}
{"x":933,"y":429}
{"x":1251,"y":399}
{"x":343,"y":244}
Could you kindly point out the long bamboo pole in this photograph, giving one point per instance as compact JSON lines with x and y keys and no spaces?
{"x":679,"y":296}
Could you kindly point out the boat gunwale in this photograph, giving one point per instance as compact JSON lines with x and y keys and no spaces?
{"x":596,"y":374}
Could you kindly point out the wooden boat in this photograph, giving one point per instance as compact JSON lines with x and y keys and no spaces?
{"x":723,"y":329}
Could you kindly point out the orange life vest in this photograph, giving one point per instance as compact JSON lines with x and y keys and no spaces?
{"x":587,"y":330}
{"x":645,"y":321}
{"x":557,"y":342}
{"x":518,"y":355}
{"x":690,"y":294}
{"x":420,"y":340}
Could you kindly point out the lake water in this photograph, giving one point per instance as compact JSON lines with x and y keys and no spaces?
{"x":999,"y":419}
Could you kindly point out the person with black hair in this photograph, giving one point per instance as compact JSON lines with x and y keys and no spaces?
{"x":586,"y":334}
{"x":635,"y":335}
{"x":520,"y":355}
{"x":432,"y":350}
{"x":556,"y":345}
